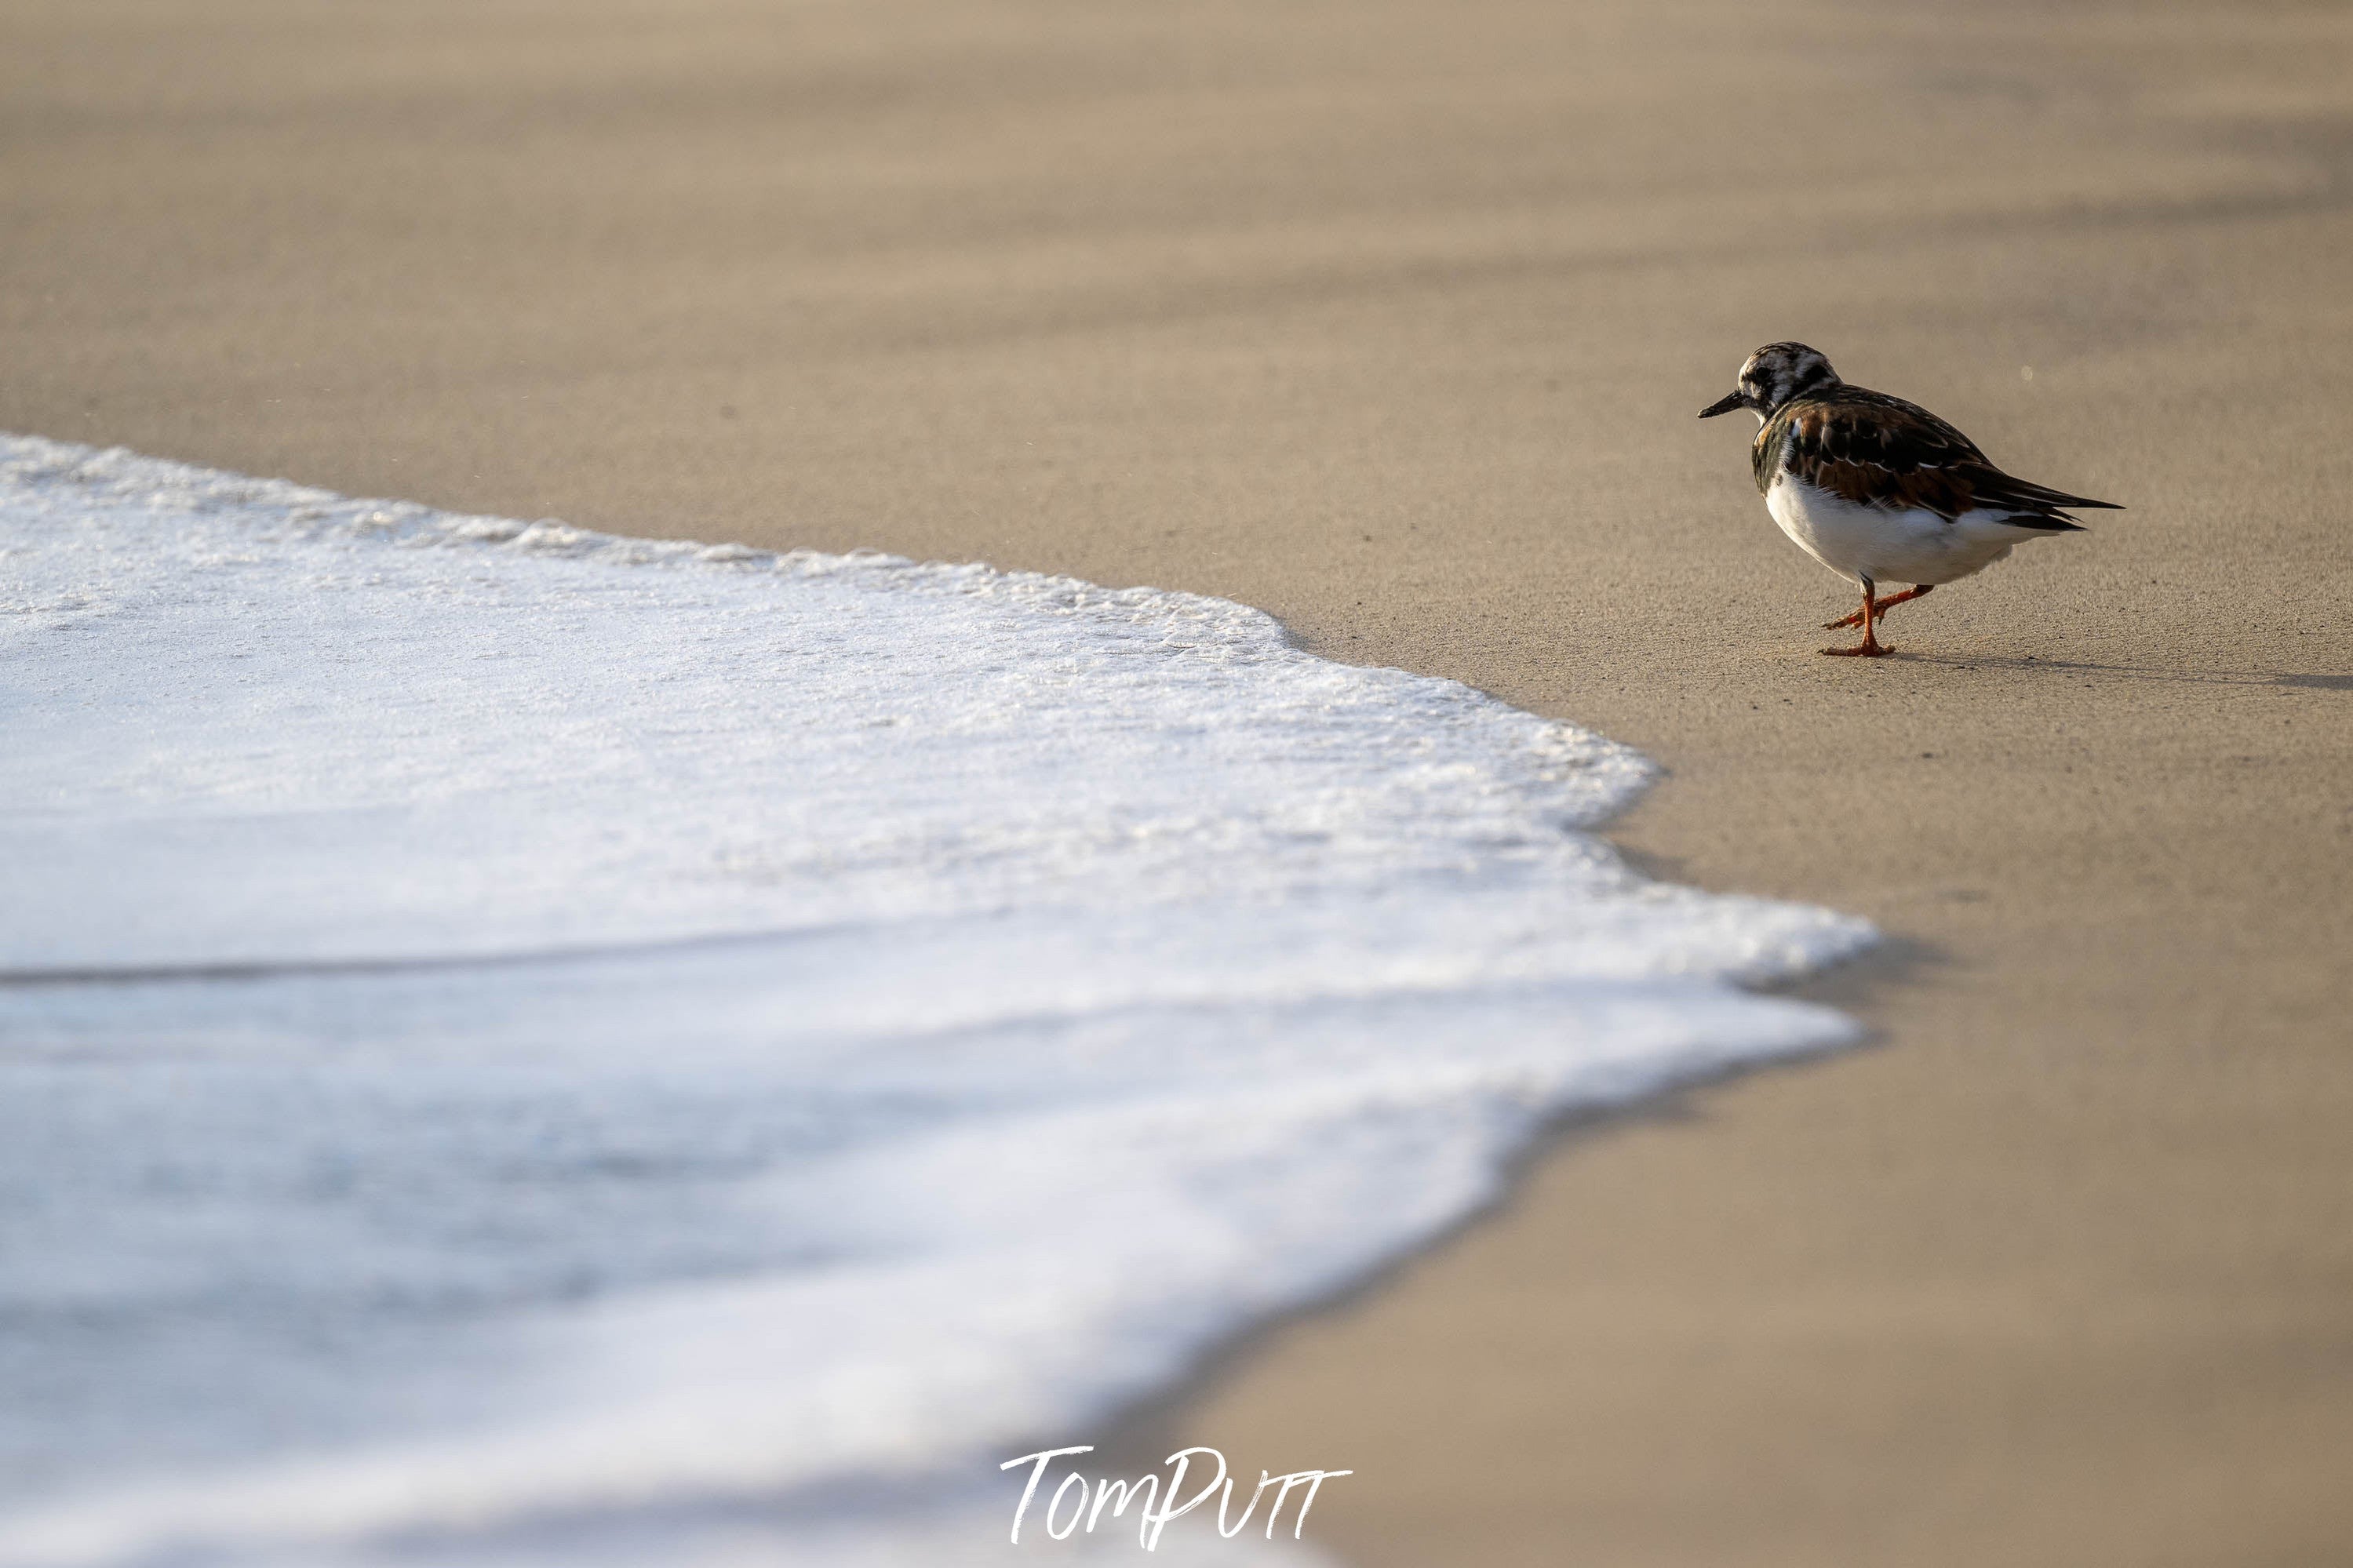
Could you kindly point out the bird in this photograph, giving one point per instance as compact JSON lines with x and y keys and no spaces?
{"x":1879,"y":490}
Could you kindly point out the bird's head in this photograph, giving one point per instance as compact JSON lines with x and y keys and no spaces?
{"x":1772,"y":375}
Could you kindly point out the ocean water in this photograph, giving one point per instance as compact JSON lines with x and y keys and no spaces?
{"x":520,"y":1045}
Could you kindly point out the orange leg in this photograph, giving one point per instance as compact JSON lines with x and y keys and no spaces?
{"x":1855,"y":617}
{"x":1869,"y":615}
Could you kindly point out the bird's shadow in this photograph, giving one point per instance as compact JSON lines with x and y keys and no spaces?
{"x":2031,"y":663}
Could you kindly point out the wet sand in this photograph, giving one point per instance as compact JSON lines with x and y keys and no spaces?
{"x":1391,"y":320}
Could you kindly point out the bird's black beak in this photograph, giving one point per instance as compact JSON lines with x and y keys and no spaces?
{"x":1724,"y":405}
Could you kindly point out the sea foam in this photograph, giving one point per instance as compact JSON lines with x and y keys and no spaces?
{"x":525,"y":1046}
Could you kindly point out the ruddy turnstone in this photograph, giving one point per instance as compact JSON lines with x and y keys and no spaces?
{"x":1879,"y":490}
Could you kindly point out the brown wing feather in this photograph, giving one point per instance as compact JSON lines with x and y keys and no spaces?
{"x":1876,"y":450}
{"x":1944,"y":491}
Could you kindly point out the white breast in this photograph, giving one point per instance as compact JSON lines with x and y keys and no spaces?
{"x":1910,"y":545}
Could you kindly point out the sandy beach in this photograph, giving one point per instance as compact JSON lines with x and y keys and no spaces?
{"x":1391,"y":320}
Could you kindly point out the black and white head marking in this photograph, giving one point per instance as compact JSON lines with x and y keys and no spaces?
{"x":1772,"y":376}
{"x":1779,"y":371}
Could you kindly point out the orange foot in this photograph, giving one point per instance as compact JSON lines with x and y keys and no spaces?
{"x":1867,"y":650}
{"x":1855,"y":617}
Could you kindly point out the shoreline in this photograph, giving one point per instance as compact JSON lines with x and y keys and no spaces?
{"x":1331,"y":313}
{"x":1140,"y":1434}
{"x":1286,"y":1090}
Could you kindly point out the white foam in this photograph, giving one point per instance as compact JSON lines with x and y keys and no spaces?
{"x":507,"y":1026}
